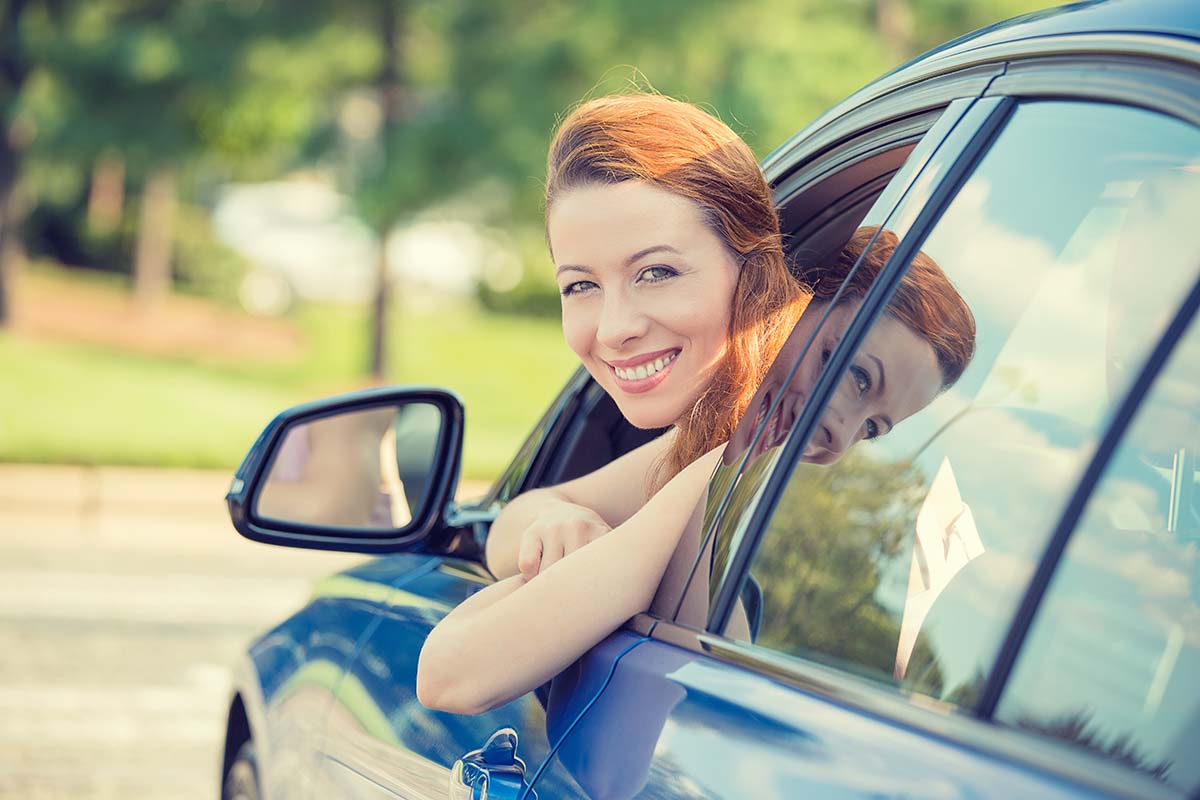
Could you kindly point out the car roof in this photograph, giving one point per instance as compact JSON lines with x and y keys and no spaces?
{"x":1101,"y":22}
{"x":1169,"y":17}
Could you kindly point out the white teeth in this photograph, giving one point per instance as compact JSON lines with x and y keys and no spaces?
{"x":644,"y":370}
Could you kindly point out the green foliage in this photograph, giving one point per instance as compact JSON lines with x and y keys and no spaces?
{"x":820,"y":564}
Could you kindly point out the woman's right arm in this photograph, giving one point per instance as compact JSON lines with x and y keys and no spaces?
{"x":539,"y":527}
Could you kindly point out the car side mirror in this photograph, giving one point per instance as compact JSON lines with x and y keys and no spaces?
{"x":369,"y":471}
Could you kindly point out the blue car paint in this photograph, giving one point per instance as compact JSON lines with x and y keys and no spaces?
{"x":304,"y":657}
{"x":1170,"y":17}
{"x":676,"y":724}
{"x":383,"y":678}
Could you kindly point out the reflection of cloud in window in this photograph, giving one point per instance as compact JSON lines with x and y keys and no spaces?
{"x":1159,"y":578}
{"x":1008,"y":276}
{"x":992,"y":266}
{"x":1010,"y":473}
{"x":1129,"y":505}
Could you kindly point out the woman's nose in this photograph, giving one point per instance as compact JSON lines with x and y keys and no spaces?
{"x":620,"y":321}
{"x":839,"y":430}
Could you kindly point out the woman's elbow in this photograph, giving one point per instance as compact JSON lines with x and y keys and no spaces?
{"x":442,"y":686}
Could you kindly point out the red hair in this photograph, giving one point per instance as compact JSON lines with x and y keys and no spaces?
{"x":683,"y":150}
{"x":925,"y":301}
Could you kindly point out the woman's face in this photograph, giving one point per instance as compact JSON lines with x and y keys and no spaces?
{"x":893,"y":375}
{"x":647,"y":289}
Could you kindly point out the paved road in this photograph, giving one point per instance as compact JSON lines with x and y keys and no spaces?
{"x":125,"y":597}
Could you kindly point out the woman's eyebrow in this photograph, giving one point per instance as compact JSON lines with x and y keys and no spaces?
{"x":664,"y":248}
{"x":880,"y":390}
{"x":882,"y":373}
{"x":658,"y":248}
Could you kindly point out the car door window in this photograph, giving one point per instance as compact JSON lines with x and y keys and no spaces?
{"x":905,"y":560}
{"x":679,"y":597}
{"x":1112,"y":662}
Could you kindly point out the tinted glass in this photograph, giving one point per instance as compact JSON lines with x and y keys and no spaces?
{"x":904,"y":560}
{"x":1112,"y":663}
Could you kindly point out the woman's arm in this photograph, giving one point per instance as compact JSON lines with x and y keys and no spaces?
{"x":540,"y":526}
{"x":536,"y":628}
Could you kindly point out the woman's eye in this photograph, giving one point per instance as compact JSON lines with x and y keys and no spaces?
{"x":656,"y":274}
{"x":862,"y":380}
{"x":872,"y":429}
{"x":578,"y":287}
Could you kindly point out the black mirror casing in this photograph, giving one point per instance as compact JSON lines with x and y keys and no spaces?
{"x":442,"y":478}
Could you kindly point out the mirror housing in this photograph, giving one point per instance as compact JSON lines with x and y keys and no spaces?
{"x":289,"y":455}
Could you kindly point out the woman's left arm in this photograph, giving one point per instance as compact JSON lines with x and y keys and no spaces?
{"x":534,"y":629}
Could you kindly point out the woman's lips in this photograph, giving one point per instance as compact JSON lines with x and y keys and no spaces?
{"x":641,"y":385}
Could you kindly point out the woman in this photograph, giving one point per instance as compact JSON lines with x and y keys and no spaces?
{"x":676,"y":298}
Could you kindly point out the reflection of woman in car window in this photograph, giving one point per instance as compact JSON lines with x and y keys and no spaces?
{"x":676,"y":298}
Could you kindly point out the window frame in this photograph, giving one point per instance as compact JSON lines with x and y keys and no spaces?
{"x":865,"y":141}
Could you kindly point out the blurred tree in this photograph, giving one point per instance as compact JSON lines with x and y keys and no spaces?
{"x":834,"y":535}
{"x":171,"y":97}
{"x":410,"y":102}
{"x":15,"y":67}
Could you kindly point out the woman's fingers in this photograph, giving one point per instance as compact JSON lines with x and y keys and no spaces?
{"x":552,"y":550}
{"x":529,"y":559}
{"x":544,"y":545}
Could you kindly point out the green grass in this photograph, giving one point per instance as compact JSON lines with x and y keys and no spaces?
{"x":63,"y":402}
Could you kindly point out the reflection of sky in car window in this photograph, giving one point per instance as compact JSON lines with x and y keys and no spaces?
{"x":1120,"y":631}
{"x":1043,"y":261}
{"x":1035,"y":263}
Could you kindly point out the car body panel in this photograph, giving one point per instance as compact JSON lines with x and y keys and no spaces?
{"x":672,"y":723}
{"x":380,"y":741}
{"x":286,"y":683}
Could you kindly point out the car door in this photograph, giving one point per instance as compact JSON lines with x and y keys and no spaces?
{"x":898,"y":587}
{"x":834,"y":191}
{"x":378,"y":741}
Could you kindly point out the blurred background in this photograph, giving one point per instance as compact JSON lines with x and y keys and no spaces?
{"x":211,"y":210}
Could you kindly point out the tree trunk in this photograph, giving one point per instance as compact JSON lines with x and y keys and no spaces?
{"x":13,"y":70}
{"x":152,"y":259}
{"x":379,"y":316}
{"x":388,"y":82}
{"x":9,"y":163}
{"x":894,"y":21}
{"x":106,"y":198}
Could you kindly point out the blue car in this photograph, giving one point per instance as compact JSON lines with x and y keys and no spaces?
{"x":999,"y":599}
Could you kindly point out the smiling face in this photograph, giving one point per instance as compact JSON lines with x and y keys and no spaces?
{"x":647,"y":289}
{"x":893,"y":375}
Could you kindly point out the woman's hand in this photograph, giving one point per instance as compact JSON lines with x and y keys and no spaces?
{"x":559,"y":530}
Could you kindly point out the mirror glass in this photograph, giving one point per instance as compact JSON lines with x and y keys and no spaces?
{"x":366,"y":468}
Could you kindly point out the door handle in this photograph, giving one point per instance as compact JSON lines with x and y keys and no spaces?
{"x":493,"y":772}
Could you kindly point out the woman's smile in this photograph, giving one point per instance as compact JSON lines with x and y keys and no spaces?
{"x":642,"y":373}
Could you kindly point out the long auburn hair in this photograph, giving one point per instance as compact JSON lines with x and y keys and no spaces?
{"x":688,"y":152}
